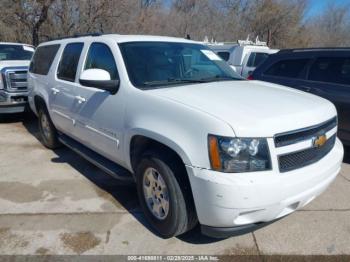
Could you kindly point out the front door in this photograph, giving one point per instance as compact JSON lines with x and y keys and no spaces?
{"x":99,"y":113}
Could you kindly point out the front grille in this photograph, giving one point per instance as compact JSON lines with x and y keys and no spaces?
{"x":293,"y":137}
{"x":305,"y":157}
{"x":16,"y":80}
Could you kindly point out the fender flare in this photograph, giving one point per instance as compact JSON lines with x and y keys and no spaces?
{"x":156,"y":137}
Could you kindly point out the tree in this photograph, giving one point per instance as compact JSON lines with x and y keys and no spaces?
{"x":282,"y":23}
{"x":29,"y":15}
{"x":275,"y":21}
{"x":332,"y":27}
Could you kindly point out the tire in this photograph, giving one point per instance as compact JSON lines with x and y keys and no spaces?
{"x":48,"y":132}
{"x":180,"y":216}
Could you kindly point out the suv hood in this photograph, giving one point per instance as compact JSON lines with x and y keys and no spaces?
{"x":13,"y":63}
{"x":253,"y":108}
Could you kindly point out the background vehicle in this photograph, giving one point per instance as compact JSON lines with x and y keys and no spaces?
{"x":322,"y":71}
{"x":202,"y":144}
{"x":243,"y":56}
{"x":14,"y":62}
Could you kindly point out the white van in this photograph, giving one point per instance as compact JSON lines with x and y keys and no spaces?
{"x":243,"y":56}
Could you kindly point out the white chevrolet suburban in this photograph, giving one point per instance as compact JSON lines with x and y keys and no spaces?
{"x":202,"y":144}
{"x":14,"y":62}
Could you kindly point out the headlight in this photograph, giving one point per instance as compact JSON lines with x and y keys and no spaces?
{"x":236,"y":155}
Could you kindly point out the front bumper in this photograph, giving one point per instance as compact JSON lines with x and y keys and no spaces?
{"x":13,"y":102}
{"x":225,"y":232}
{"x":227,"y":201}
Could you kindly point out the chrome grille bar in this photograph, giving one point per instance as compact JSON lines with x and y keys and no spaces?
{"x":15,"y":79}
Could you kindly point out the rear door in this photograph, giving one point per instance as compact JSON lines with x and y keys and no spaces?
{"x":42,"y":72}
{"x":329,"y":77}
{"x":62,"y":96}
{"x":289,"y":71}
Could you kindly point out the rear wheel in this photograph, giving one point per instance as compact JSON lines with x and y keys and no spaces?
{"x":48,"y":131}
{"x":165,"y":194}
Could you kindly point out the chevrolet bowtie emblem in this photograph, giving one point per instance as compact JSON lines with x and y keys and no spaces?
{"x":319,"y":141}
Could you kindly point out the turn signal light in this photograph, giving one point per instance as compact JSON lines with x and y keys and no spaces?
{"x":214,"y":153}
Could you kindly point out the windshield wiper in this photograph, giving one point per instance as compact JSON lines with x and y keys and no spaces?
{"x":171,"y":81}
{"x":218,"y":78}
{"x":176,"y":81}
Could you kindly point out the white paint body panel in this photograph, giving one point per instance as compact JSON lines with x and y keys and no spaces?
{"x":181,"y":118}
{"x":95,"y":74}
{"x":7,"y":102}
{"x":13,"y":63}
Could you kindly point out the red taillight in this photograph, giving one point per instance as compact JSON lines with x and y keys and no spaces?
{"x":250,"y":77}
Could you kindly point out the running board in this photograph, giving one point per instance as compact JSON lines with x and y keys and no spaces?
{"x":101,"y":162}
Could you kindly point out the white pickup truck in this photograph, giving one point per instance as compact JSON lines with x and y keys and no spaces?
{"x":243,"y":56}
{"x":202,"y":144}
{"x":14,"y":63}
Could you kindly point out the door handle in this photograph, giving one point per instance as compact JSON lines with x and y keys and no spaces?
{"x":80,"y":99}
{"x":55,"y":91}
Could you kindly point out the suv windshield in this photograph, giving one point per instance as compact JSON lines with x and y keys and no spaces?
{"x":162,"y":64}
{"x":15,"y":52}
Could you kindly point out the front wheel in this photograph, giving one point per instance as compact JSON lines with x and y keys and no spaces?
{"x":165,"y":195}
{"x":48,"y":132}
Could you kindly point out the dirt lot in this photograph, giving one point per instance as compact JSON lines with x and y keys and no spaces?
{"x":55,"y":202}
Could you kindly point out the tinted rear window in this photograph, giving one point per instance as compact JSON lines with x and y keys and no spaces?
{"x":224,"y":55}
{"x":288,"y":68}
{"x":67,"y":68}
{"x":43,"y":58}
{"x":256,"y":59}
{"x":331,"y":69}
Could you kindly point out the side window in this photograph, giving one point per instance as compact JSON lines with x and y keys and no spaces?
{"x":101,"y":57}
{"x":256,"y":59}
{"x":251,"y":60}
{"x":42,"y":59}
{"x":224,"y":55}
{"x":288,"y":68}
{"x":331,"y":69}
{"x":67,"y":68}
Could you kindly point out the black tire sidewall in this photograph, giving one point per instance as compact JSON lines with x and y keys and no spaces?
{"x":51,"y":141}
{"x":177,"y":216}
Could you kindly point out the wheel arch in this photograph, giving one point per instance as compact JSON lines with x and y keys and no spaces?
{"x":139,"y":142}
{"x":39,"y":101}
{"x":174,"y":155}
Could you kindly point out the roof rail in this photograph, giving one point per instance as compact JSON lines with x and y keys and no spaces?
{"x":314,"y":49}
{"x":249,"y":42}
{"x":239,"y":42}
{"x":76,"y":36}
{"x":88,"y":34}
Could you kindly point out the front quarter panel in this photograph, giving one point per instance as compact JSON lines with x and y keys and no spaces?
{"x":180,"y":127}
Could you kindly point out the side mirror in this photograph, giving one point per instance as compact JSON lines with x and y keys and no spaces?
{"x":99,"y":78}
